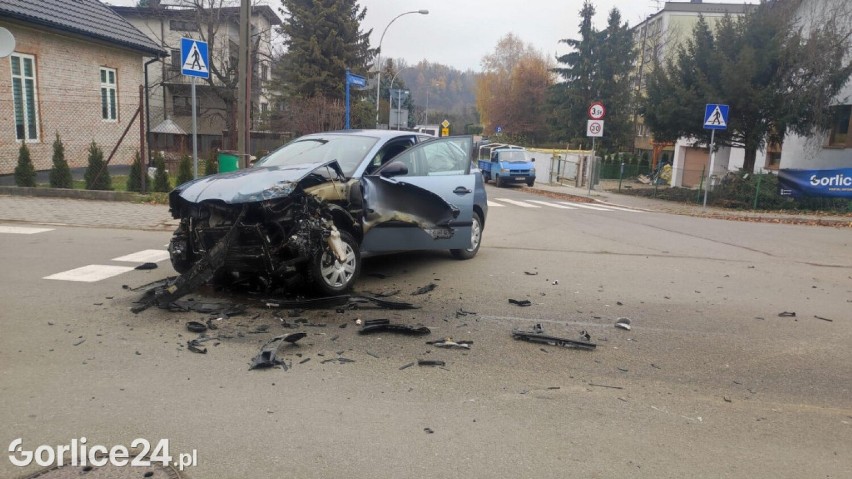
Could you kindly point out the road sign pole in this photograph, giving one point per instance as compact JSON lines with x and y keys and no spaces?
{"x":194,"y":134}
{"x":712,"y":161}
{"x":590,"y":162}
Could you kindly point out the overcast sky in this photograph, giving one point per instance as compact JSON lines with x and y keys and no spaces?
{"x":459,"y":33}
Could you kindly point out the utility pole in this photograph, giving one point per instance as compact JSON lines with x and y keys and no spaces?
{"x":243,"y":91}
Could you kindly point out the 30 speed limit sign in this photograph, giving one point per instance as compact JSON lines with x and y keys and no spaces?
{"x":597,"y":111}
{"x":595,"y":128}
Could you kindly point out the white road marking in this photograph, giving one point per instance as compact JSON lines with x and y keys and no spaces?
{"x":145,"y":256}
{"x":491,"y":203}
{"x":90,"y":273}
{"x":578,"y":205}
{"x":23,"y":230}
{"x":620,"y":208}
{"x":552,"y":205}
{"x":517,"y":203}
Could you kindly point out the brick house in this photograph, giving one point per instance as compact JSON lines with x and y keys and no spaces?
{"x":76,"y":71}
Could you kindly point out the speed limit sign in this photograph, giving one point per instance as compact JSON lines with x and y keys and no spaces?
{"x":594,"y":128}
{"x":597,"y":111}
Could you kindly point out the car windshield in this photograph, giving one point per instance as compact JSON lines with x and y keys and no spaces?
{"x":348,"y":150}
{"x":514,"y":156}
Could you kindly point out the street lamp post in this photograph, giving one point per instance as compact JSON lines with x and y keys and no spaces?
{"x":379,"y":58}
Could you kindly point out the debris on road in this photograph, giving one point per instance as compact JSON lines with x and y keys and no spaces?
{"x":461,"y":312}
{"x":196,"y":327}
{"x":382,"y":303}
{"x":385,"y":326}
{"x":605,"y":386}
{"x":79,"y":342}
{"x":425,"y":289}
{"x":225,"y":310}
{"x":266,"y":358}
{"x":824,"y":319}
{"x":787,"y":314}
{"x":537,"y":336}
{"x":431,"y":362}
{"x":406,"y":366}
{"x":314,"y":303}
{"x":145,"y":266}
{"x":450,"y":344}
{"x":623,"y":323}
{"x":521,"y":302}
{"x":339,"y":360}
{"x":531,"y":273}
{"x":194,"y":345}
{"x":428,"y":430}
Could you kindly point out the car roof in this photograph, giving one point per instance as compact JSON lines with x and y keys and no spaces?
{"x":383,"y":134}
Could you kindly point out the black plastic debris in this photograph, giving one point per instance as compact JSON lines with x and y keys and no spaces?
{"x":787,"y":314}
{"x":384,"y":294}
{"x":339,"y":360}
{"x":531,"y":273}
{"x":461,"y":312}
{"x":824,"y":319}
{"x":425,"y":289}
{"x":449,"y":343}
{"x":385,"y":326}
{"x":521,"y":302}
{"x":537,"y":335}
{"x":406,"y":366}
{"x":379,"y":275}
{"x":194,"y":345}
{"x":430,"y":362}
{"x":145,"y":266}
{"x":211,"y":324}
{"x":267,"y":357}
{"x":382,"y":303}
{"x":196,"y":327}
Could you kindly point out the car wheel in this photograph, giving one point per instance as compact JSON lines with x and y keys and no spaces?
{"x":498,"y":182}
{"x":329,"y":275}
{"x":530,"y":182}
{"x":475,"y":240}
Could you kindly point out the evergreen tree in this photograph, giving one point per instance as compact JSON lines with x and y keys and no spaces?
{"x":211,"y":166}
{"x":161,"y":178}
{"x":60,"y":174}
{"x":97,"y":175}
{"x":323,"y":39}
{"x":184,"y":170}
{"x":134,"y":178}
{"x":25,"y":174}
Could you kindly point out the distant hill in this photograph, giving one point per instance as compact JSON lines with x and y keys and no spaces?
{"x":452,"y":91}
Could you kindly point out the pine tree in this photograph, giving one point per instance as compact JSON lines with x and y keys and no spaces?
{"x":134,"y":178}
{"x":184,"y":170}
{"x":323,"y":39}
{"x":161,"y":178}
{"x":25,"y":174}
{"x":97,"y":174}
{"x":60,"y":174}
{"x":211,"y":166}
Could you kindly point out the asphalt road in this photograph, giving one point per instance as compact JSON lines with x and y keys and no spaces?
{"x":709,"y":382}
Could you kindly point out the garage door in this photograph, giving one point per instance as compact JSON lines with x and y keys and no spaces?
{"x":695,"y":162}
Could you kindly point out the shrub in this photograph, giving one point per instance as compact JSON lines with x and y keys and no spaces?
{"x":134,"y":178}
{"x":184,"y":170}
{"x":211,"y":166}
{"x":60,"y":174}
{"x":161,"y":178}
{"x":97,"y":175}
{"x":25,"y":174}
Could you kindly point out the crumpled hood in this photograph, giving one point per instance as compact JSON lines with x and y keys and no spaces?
{"x":249,"y":185}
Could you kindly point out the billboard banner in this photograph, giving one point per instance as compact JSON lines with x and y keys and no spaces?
{"x":826,"y":183}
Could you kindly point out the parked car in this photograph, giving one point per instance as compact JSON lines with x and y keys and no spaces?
{"x":506,"y":164}
{"x":316,"y":204}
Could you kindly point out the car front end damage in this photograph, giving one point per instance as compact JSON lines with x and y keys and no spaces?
{"x":275,"y":229}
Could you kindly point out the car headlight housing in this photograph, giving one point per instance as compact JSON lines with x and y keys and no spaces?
{"x":504,"y":170}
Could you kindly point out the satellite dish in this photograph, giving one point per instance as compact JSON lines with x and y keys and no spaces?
{"x":7,"y":43}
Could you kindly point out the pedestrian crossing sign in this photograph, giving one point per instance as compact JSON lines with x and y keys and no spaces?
{"x":716,"y":117}
{"x":193,"y":58}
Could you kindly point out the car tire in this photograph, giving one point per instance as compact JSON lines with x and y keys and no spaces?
{"x":476,"y":239}
{"x":498,"y":182}
{"x":331,"y":277}
{"x":530,"y":183}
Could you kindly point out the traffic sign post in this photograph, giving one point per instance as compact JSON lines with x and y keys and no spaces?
{"x":597,"y":111}
{"x":357,"y":80}
{"x":194,"y":63}
{"x":594,"y":129}
{"x":715,"y":118}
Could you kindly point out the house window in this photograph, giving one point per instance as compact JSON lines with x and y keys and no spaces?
{"x":264,"y":72}
{"x":839,"y":136}
{"x":109,"y":102}
{"x":182,"y":106}
{"x":175,"y":58}
{"x":24,"y":97}
{"x":183,"y":26}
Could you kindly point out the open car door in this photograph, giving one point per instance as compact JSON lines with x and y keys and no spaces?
{"x":422,"y":199}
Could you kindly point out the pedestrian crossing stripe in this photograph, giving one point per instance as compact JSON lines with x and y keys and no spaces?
{"x":580,"y":205}
{"x":620,"y":208}
{"x":517,"y":203}
{"x":90,"y":273}
{"x":552,"y":205}
{"x":565,"y":205}
{"x":145,"y":256}
{"x":23,"y":230}
{"x":492,"y":203}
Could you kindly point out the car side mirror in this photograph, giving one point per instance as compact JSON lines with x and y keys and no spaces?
{"x":394,"y":168}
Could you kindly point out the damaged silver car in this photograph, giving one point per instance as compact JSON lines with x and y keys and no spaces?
{"x":314,"y":206}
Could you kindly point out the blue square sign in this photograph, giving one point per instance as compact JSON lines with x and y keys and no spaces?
{"x":716,"y":117}
{"x":193,"y":58}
